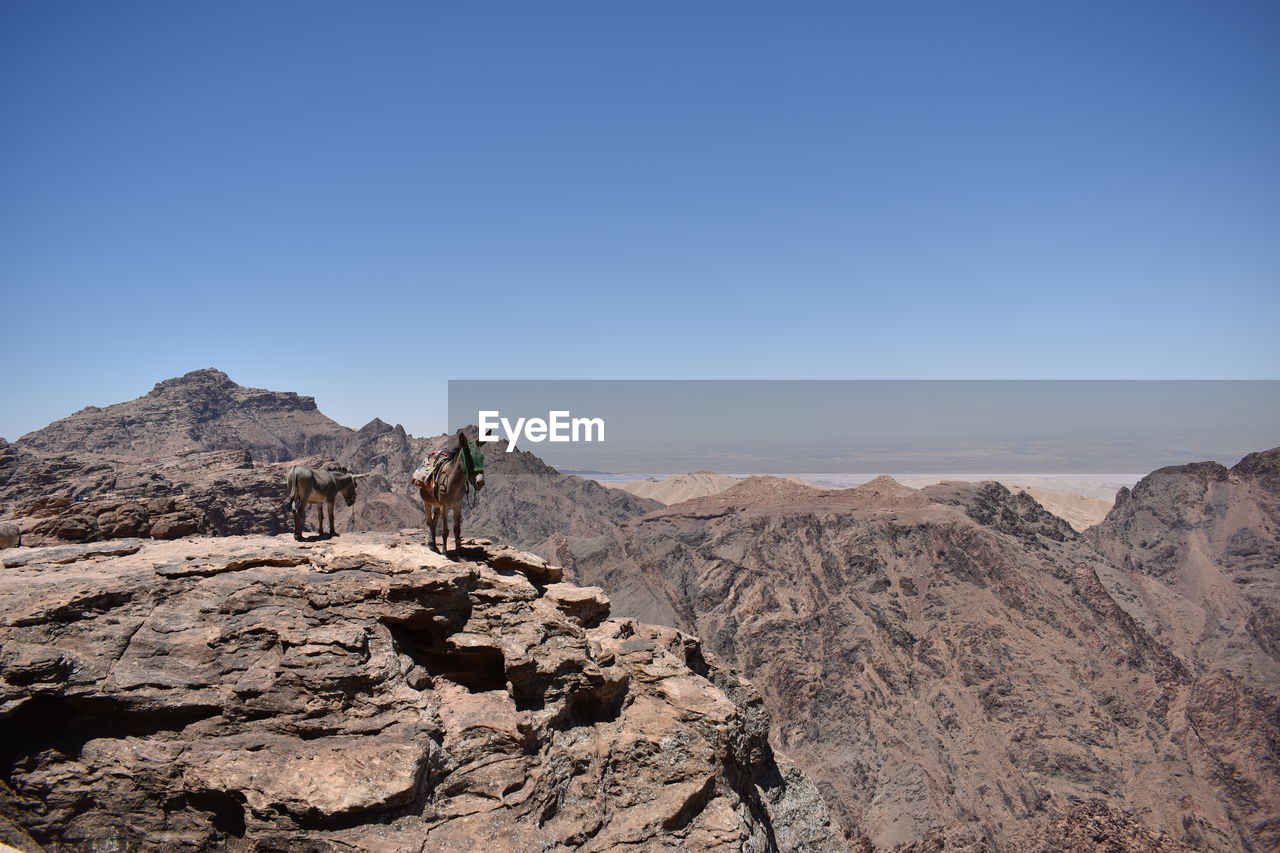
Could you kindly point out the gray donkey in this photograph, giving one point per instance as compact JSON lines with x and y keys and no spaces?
{"x":445,"y":488}
{"x":318,"y":486}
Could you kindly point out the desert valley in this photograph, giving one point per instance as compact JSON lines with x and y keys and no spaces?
{"x":701,"y":663}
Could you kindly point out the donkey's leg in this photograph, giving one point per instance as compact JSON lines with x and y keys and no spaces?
{"x":457,"y":529}
{"x":444,"y":523}
{"x":426,"y":510}
{"x":297,"y":519}
{"x":432,"y":512}
{"x":332,"y":502}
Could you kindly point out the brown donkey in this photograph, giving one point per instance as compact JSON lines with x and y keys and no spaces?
{"x":447,"y":487}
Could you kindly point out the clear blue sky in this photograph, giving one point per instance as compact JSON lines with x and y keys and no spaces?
{"x":360,"y":200}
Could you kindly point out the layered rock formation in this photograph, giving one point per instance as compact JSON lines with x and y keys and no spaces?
{"x":957,"y":667}
{"x":84,"y":498}
{"x":250,"y":693}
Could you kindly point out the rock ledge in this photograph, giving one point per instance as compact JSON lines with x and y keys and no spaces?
{"x":253,"y":693}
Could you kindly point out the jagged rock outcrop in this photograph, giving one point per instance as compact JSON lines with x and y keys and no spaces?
{"x":252,"y":693}
{"x":955,"y":666}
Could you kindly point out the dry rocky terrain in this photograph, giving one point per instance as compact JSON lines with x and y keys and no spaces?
{"x":364,"y":693}
{"x":956,"y":668}
{"x":956,"y":665}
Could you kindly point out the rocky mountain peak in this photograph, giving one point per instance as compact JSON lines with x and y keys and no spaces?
{"x":1202,"y":473}
{"x":216,"y":390}
{"x":1263,"y":466}
{"x":378,"y":426}
{"x":202,"y":410}
{"x":209,"y":377}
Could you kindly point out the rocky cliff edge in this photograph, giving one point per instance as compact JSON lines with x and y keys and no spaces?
{"x":252,"y":693}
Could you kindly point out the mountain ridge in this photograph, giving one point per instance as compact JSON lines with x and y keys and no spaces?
{"x":951,"y":661}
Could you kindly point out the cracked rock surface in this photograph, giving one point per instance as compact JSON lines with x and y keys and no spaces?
{"x":364,"y":693}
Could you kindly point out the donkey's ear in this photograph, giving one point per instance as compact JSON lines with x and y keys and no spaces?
{"x":465,"y":450}
{"x":462,"y":438}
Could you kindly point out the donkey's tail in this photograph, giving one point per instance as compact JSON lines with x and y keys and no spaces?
{"x":294,"y":502}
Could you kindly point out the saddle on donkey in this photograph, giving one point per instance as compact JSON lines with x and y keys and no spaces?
{"x":428,"y":473}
